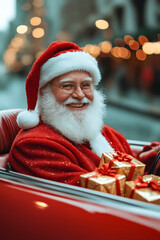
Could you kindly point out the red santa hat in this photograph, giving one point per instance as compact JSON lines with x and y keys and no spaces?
{"x":59,"y":58}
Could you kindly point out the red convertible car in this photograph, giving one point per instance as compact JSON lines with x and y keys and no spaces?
{"x":33,"y":209}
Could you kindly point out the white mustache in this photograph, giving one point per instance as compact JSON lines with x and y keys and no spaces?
{"x":72,"y":100}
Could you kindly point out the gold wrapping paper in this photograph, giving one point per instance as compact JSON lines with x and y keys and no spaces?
{"x":144,"y":194}
{"x":103,"y":183}
{"x":123,"y":167}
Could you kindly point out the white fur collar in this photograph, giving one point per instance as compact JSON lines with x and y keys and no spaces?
{"x":99,"y":145}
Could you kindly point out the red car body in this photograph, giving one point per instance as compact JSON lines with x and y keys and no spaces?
{"x":33,"y":209}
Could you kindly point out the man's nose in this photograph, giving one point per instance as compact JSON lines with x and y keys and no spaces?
{"x":78,"y":93}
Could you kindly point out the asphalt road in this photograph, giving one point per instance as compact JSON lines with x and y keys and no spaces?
{"x":133,"y":125}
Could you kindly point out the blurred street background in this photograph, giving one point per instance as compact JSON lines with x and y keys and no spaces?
{"x":124,"y":36}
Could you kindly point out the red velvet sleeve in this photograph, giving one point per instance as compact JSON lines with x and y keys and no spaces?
{"x":149,"y":158}
{"x":46,"y":159}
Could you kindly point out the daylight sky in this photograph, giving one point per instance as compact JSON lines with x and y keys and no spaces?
{"x":7,"y":13}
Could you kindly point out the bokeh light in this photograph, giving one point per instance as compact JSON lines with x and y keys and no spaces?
{"x":17,"y":42}
{"x":119,"y":42}
{"x":127,"y":38}
{"x":157,"y":47}
{"x":35,"y":21}
{"x":142,"y":39}
{"x":148,"y":48}
{"x":134,"y":45}
{"x":94,"y":51}
{"x":115,"y":52}
{"x":26,"y":6}
{"x":140,"y":55}
{"x":21,"y":29}
{"x":10,"y":56}
{"x":105,"y":46}
{"x":38,"y":3}
{"x":27,"y":59}
{"x":38,"y":54}
{"x":38,"y":32}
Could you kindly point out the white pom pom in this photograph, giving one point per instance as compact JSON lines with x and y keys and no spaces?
{"x":28,"y":119}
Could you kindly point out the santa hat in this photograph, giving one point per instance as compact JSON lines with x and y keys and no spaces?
{"x":59,"y":58}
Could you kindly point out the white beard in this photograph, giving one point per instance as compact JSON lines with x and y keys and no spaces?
{"x":78,"y":126}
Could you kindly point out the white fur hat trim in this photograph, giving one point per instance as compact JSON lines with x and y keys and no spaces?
{"x":67,"y":62}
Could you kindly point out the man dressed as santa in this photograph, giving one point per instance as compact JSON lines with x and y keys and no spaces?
{"x":63,"y":134}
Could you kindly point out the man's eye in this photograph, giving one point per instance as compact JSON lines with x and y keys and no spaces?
{"x":68,"y":86}
{"x":86,"y":85}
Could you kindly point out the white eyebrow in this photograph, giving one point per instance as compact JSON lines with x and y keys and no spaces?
{"x":71,"y":80}
{"x":87,"y":79}
{"x":66,"y":80}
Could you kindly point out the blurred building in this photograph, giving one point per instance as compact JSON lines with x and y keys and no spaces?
{"x":127,"y":49}
{"x":124,"y":17}
{"x":40,"y":22}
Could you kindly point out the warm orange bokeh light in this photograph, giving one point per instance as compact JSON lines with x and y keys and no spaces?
{"x":124,"y":52}
{"x":134,"y":45}
{"x":140,"y":55}
{"x":38,"y":32}
{"x":105,"y":46}
{"x":27,"y":59}
{"x":127,"y":38}
{"x":142,"y":39}
{"x":17,"y":42}
{"x":38,"y":54}
{"x":115,"y":52}
{"x":38,"y":3}
{"x":87,"y":47}
{"x":35,"y":21}
{"x":10,"y":56}
{"x":94,"y":51}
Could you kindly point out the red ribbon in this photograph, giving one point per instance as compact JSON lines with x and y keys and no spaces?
{"x":105,"y":169}
{"x":123,"y":157}
{"x":140,"y":183}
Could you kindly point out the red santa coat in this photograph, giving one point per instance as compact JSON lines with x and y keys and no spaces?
{"x":44,"y":153}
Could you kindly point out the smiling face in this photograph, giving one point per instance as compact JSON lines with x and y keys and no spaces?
{"x":73,"y":89}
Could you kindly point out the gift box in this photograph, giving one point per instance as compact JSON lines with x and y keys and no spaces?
{"x":124,"y":164}
{"x":146,"y":188}
{"x":104,"y":179}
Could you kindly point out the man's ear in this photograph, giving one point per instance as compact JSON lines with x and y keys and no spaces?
{"x":41,"y":89}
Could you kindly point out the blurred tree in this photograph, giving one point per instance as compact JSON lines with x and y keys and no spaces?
{"x":29,"y":41}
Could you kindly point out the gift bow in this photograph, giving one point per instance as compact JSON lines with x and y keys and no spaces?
{"x":122,"y":157}
{"x":106,"y":170}
{"x":119,"y":156}
{"x":140,"y":183}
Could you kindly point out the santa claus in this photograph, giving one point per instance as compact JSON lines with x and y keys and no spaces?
{"x":63,"y":134}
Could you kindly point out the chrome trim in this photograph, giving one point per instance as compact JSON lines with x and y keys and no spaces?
{"x":137,"y":143}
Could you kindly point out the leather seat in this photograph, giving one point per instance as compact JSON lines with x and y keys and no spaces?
{"x":8,"y":131}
